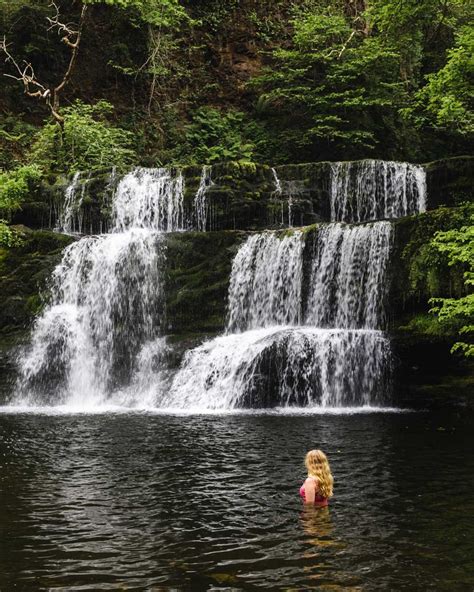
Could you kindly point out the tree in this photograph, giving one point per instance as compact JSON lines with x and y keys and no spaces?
{"x":333,"y":85}
{"x":87,"y":141}
{"x":162,"y":18}
{"x":447,"y":100}
{"x":458,"y":247}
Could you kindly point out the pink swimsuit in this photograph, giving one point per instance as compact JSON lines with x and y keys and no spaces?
{"x":319,"y":500}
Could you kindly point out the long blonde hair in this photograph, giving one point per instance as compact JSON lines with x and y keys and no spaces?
{"x":318,"y":466}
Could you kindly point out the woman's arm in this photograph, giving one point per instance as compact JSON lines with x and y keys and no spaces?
{"x":309,"y":490}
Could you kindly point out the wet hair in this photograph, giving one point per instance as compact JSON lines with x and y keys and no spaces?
{"x":318,"y":466}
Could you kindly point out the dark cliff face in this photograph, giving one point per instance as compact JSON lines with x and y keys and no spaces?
{"x":243,"y":196}
{"x":243,"y":200}
{"x":24,"y":274}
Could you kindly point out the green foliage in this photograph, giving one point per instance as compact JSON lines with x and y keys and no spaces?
{"x":213,"y":136}
{"x":8,"y":237}
{"x":332,"y":85}
{"x":343,"y":79}
{"x":9,"y":8}
{"x":15,"y":139}
{"x":159,"y":13}
{"x":426,"y":324}
{"x":428,"y":272}
{"x":15,"y":187}
{"x":447,"y":100}
{"x":87,"y":141}
{"x":457,"y":246}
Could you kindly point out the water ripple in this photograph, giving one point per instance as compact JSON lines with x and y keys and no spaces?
{"x":165,"y":502}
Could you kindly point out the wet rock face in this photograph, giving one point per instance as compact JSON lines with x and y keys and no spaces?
{"x":450,"y":181}
{"x":24,"y":274}
{"x":242,"y":196}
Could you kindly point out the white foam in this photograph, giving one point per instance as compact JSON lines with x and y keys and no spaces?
{"x":64,"y":410}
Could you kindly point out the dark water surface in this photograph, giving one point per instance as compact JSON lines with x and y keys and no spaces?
{"x":156,"y":502}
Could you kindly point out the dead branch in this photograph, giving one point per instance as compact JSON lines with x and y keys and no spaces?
{"x":26,"y":74}
{"x":344,"y":47}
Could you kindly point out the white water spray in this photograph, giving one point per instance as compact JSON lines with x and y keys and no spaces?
{"x":284,"y":366}
{"x":71,"y":216}
{"x":200,"y":201}
{"x":107,"y":301}
{"x":349,"y":276}
{"x":375,"y":189}
{"x":149,"y":198}
{"x":265,"y":282}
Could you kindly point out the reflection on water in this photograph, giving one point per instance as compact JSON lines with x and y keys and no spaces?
{"x":139,"y":502}
{"x":316,"y":523}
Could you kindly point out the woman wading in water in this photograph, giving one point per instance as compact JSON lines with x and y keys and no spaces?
{"x":317,"y":489}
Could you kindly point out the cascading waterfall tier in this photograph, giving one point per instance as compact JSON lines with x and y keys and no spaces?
{"x":349,"y":276}
{"x":106,"y":303}
{"x":149,"y":198}
{"x":265,"y":282}
{"x":375,"y":189}
{"x":283,"y":366}
{"x":70,"y":219}
{"x":338,"y":358}
{"x":102,"y":327}
{"x":284,"y":197}
{"x":200,"y":202}
{"x":305,"y":319}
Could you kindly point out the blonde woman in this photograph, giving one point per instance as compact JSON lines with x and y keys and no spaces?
{"x":317,"y":489}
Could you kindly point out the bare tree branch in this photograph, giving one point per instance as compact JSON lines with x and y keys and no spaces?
{"x":344,"y":47}
{"x":26,"y":74}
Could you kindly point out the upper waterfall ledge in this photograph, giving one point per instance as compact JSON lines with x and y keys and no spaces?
{"x":247,"y":196}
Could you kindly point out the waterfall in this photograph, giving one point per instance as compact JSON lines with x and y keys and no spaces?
{"x":101,"y":329}
{"x":106,"y":296}
{"x":70,"y":219}
{"x":337,"y":358}
{"x":375,"y":189}
{"x":349,"y":276}
{"x":278,"y":190}
{"x":281,"y":366}
{"x":291,"y":191}
{"x":265,"y":282}
{"x":306,"y":311}
{"x":149,"y":198}
{"x":200,"y":202}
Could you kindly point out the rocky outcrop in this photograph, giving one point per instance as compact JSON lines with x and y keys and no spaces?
{"x":243,"y":196}
{"x":24,"y":273}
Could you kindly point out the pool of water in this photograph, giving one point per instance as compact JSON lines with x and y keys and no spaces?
{"x":142,"y":501}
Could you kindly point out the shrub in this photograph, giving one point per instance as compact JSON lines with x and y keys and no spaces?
{"x":214,"y":136}
{"x":15,"y":186}
{"x":87,"y":141}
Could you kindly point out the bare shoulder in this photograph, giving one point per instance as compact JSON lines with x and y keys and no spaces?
{"x":311,"y":482}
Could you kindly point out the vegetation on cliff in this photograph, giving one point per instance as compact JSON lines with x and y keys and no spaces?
{"x":278,"y":82}
{"x":457,"y":246}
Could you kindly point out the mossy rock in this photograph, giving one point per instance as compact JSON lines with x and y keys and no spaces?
{"x":198,"y":271}
{"x":243,"y":195}
{"x":419,"y":272}
{"x":24,"y":273}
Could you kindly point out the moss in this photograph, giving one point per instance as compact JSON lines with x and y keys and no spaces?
{"x":197,"y":280}
{"x":24,"y":273}
{"x":419,"y":271}
{"x":243,"y":194}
